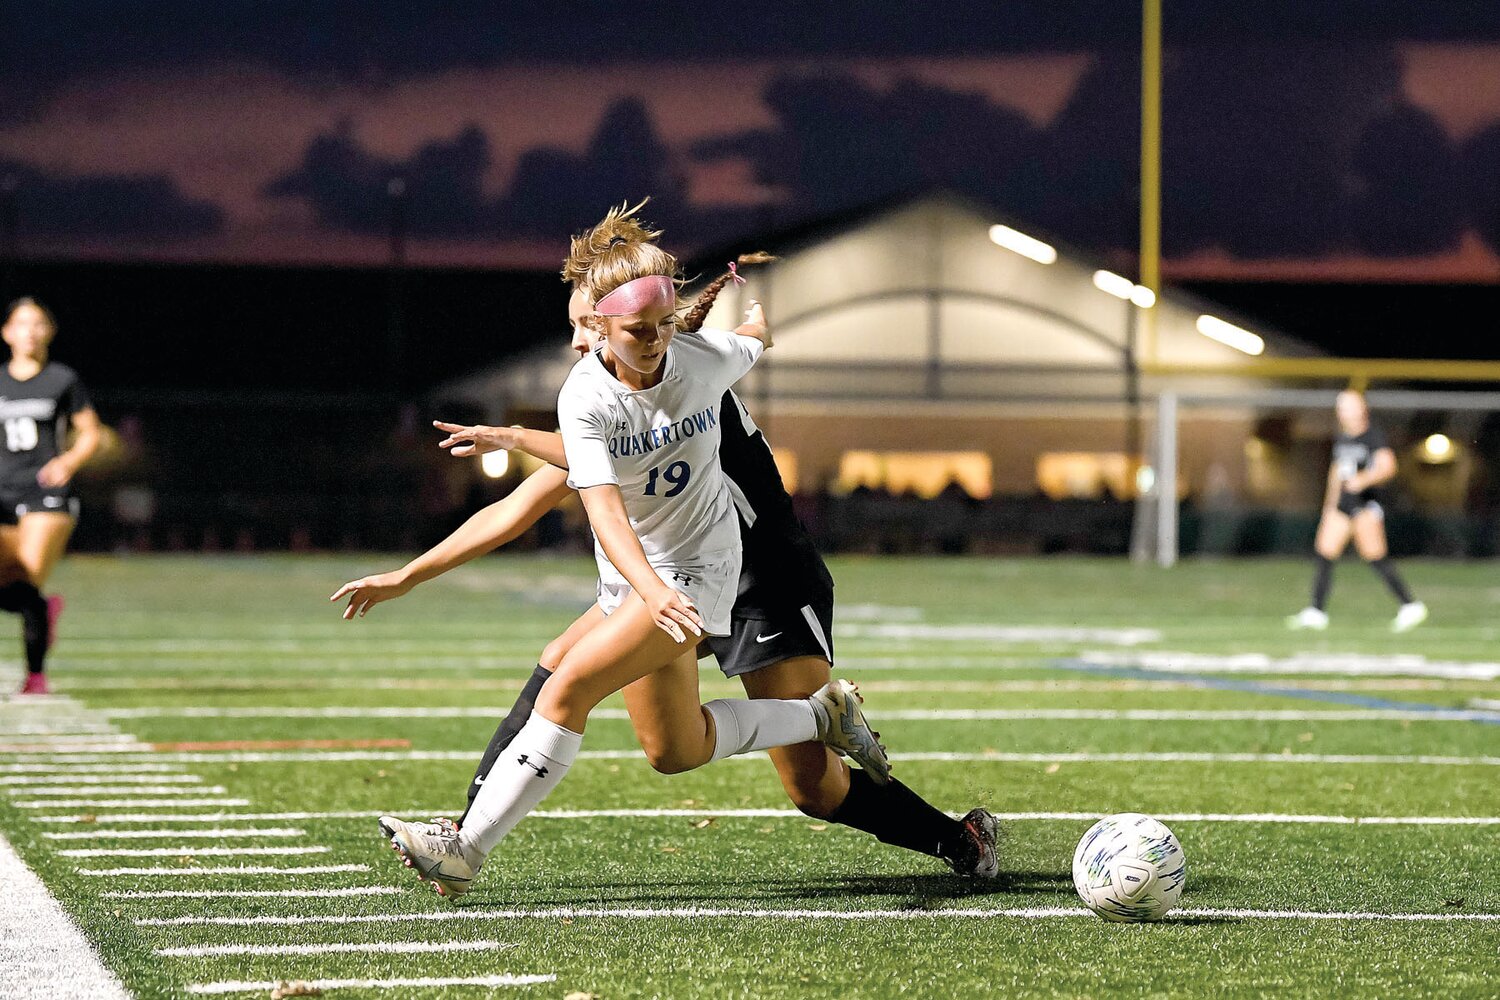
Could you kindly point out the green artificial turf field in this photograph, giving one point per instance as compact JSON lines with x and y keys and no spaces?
{"x":216,"y":714}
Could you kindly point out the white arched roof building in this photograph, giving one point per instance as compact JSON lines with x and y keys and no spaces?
{"x":930,"y":327}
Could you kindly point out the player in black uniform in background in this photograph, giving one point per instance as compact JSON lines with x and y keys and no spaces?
{"x":1354,"y":506}
{"x":39,"y":400}
{"x":781,"y":643}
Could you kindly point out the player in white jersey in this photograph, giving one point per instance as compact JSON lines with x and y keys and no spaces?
{"x":637,"y":416}
{"x":784,"y":589}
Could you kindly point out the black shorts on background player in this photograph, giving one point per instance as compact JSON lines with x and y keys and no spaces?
{"x":33,"y":418}
{"x":15,"y":504}
{"x":1353,"y":454}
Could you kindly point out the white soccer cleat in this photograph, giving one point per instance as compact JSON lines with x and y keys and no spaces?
{"x":1308,"y":619}
{"x":842,"y":727}
{"x":1409,"y":616}
{"x":434,"y":851}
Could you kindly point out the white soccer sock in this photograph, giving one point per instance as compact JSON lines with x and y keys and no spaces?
{"x":530,"y":767}
{"x":742,"y":726}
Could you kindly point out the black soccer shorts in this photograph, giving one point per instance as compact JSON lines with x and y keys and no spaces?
{"x":760,"y":637}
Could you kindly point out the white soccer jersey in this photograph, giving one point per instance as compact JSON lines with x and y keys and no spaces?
{"x":659,"y":445}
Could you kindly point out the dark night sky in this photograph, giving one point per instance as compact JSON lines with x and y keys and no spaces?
{"x":1334,"y":140}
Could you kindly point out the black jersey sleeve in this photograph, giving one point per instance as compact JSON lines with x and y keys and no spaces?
{"x":74,"y":397}
{"x":1375,"y":439}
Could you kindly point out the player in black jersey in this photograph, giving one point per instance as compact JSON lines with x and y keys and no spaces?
{"x":781,"y":643}
{"x":39,"y":401}
{"x":1354,"y":506}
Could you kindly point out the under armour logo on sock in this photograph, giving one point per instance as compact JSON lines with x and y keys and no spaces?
{"x":541,"y":772}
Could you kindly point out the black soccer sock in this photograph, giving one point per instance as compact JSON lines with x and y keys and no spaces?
{"x":1322,"y":582}
{"x":23,"y":598}
{"x":896,"y":815}
{"x":1387,"y":571}
{"x":519,"y":713}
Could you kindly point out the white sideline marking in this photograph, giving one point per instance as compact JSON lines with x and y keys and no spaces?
{"x":504,"y":979}
{"x":1001,"y":633}
{"x":738,"y":814}
{"x":45,"y":953}
{"x":362,"y":890}
{"x":216,"y":832}
{"x":919,"y":714}
{"x":195,"y":850}
{"x":701,"y":912}
{"x":96,"y":779}
{"x":124,"y":790}
{"x":124,"y":803}
{"x":227,"y":870}
{"x":1351,"y":664}
{"x":347,"y":947}
{"x":1488,"y":704}
{"x":333,"y":756}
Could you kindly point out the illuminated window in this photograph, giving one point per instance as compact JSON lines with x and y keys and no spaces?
{"x":1085,"y":475}
{"x":786,"y":464}
{"x":925,"y":473}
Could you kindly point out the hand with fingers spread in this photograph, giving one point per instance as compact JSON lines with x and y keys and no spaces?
{"x":368,"y":591}
{"x":674,"y":613}
{"x":465,"y":441}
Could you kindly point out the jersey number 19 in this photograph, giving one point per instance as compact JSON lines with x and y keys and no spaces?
{"x":677,"y":475}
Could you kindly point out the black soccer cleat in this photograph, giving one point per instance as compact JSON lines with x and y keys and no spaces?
{"x":978,"y":855}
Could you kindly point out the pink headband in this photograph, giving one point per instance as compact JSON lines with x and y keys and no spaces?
{"x":636,"y":296}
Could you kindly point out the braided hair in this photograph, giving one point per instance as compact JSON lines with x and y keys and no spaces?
{"x":693,"y":319}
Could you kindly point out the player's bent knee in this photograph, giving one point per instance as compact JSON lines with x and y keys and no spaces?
{"x":553,"y":653}
{"x":667,"y":757}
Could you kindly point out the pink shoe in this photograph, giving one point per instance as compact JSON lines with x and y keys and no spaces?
{"x":35,"y":684}
{"x":55,"y":605}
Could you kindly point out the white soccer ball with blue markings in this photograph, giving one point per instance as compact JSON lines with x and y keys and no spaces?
{"x":1129,"y":867}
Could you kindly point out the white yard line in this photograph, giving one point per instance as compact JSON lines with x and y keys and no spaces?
{"x":470,"y":755}
{"x":1349,"y":664}
{"x":52,"y":958}
{"x":216,"y":832}
{"x":259,"y":986}
{"x":226,"y":870}
{"x":751,"y":913}
{"x":86,"y":789}
{"x":96,"y":779}
{"x":360,"y":890}
{"x":62,"y":771}
{"x":1030,"y":634}
{"x":341,"y":948}
{"x":920,"y":714}
{"x":195,"y":850}
{"x":794,"y":814}
{"x":125,"y":803}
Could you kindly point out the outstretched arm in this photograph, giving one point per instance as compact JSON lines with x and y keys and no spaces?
{"x":672,"y":610}
{"x":755,"y":326}
{"x":465,"y":441}
{"x":494,"y":526}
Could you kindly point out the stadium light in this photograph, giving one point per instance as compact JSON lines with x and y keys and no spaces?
{"x":1438,"y":449}
{"x":1122,"y":287}
{"x":1026,"y":246}
{"x":495,"y":464}
{"x":1229,"y":335}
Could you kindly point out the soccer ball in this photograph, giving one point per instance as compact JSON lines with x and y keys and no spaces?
{"x":1129,"y":867}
